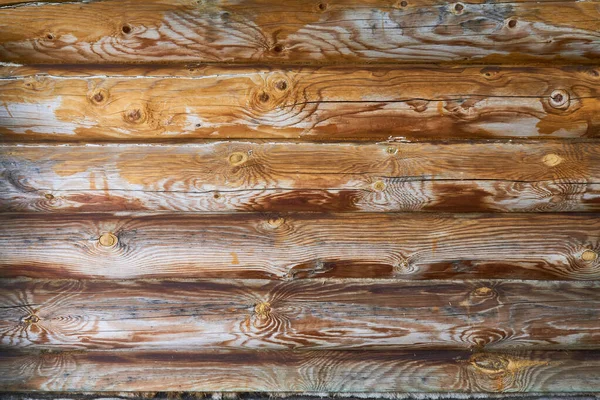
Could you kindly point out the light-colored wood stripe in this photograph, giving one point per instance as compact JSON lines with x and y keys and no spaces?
{"x":332,"y":31}
{"x":309,"y":104}
{"x":364,"y":245}
{"x":315,"y":371}
{"x":300,"y":314}
{"x":244,"y":176}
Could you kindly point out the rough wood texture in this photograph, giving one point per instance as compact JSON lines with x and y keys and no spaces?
{"x":244,"y":176}
{"x":343,"y":31}
{"x":301,"y":314}
{"x":315,"y":371}
{"x":314,"y":104}
{"x":408,"y":246}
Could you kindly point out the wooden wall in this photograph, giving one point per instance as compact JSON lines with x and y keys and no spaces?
{"x":335,"y":196}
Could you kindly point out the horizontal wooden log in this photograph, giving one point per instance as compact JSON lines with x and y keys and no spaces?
{"x":301,"y":314}
{"x":243,"y":176}
{"x":351,"y":245}
{"x":313,"y":371}
{"x":333,"y":31}
{"x":313,"y":104}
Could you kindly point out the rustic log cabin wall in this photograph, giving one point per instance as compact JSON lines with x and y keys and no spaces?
{"x":300,"y":197}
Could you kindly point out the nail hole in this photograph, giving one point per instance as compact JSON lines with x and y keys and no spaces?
{"x":512,"y":23}
{"x":322,"y":6}
{"x":198,"y":125}
{"x":108,"y":239}
{"x":126,"y":29}
{"x":459,"y":8}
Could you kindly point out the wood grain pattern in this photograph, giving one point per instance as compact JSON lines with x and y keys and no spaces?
{"x":312,"y":371}
{"x":244,"y":176}
{"x":312,"y":104}
{"x":336,"y":31}
{"x":290,"y":246}
{"x":301,"y":314}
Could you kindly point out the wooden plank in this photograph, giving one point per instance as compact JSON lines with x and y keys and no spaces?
{"x":244,"y":176}
{"x":313,"y":371}
{"x":336,"y":31}
{"x":301,"y":314}
{"x":408,"y":246}
{"x":312,"y":104}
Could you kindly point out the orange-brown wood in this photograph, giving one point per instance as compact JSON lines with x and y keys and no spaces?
{"x":313,"y":372}
{"x":283,"y":177}
{"x":299,"y":314}
{"x":303,"y":245}
{"x":145,"y":103}
{"x":328,"y":31}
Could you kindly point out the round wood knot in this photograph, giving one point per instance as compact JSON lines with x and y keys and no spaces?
{"x":278,"y":48}
{"x":379,"y":186}
{"x":403,"y":3}
{"x":458,"y":8}
{"x":490,"y":363}
{"x":322,"y":6}
{"x":483,"y":291}
{"x":263,"y":310}
{"x":49,"y":196}
{"x":512,"y":23}
{"x":559,"y":99}
{"x":281,"y":85}
{"x":126,"y":29}
{"x":108,"y":239}
{"x":134,"y":116}
{"x":391,"y":150}
{"x":31,"y":319}
{"x":237,"y":158}
{"x":263,"y":97}
{"x":99,"y":96}
{"x":552,"y":160}
{"x":589,"y":255}
{"x":50,"y":36}
{"x":276,"y":222}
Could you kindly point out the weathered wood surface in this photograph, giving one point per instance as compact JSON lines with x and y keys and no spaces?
{"x":309,"y":371}
{"x":379,"y":245}
{"x":300,"y":314}
{"x":272,"y":31}
{"x":244,"y":176}
{"x":314,"y":104}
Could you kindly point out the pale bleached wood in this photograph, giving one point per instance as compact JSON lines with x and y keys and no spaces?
{"x":245,"y":176}
{"x":336,"y":31}
{"x":313,"y":371}
{"x":300,"y":314}
{"x":311,"y":104}
{"x":361,"y":245}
